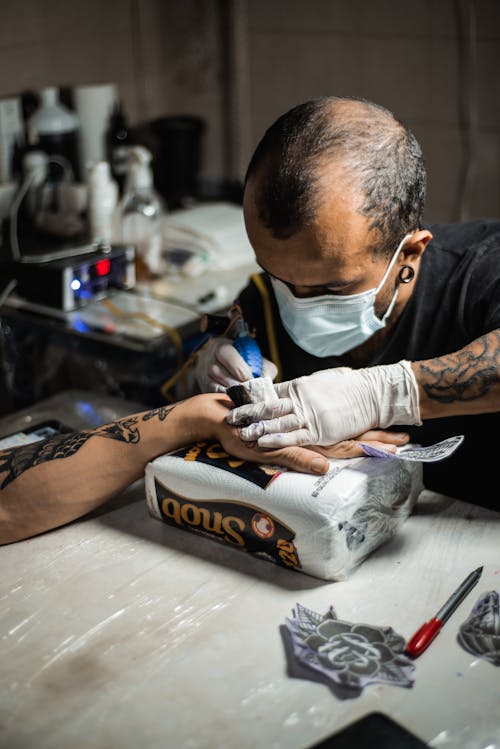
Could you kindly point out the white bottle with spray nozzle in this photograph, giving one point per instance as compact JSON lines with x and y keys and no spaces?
{"x":54,"y":128}
{"x":141,"y":211}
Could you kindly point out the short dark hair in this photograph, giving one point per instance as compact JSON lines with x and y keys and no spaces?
{"x":380,"y":154}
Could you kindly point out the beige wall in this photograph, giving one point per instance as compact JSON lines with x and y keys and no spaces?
{"x":400,"y":53}
{"x":162,"y":55}
{"x":171,"y":57}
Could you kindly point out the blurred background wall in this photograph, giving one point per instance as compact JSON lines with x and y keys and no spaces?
{"x":241,"y":63}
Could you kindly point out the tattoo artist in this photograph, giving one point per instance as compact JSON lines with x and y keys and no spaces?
{"x":368,"y":318}
{"x":49,"y":483}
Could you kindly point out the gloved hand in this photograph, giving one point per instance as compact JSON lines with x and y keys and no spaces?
{"x":331,"y":405}
{"x":220,"y":366}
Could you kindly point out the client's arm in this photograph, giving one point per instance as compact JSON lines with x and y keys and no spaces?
{"x":47,"y":484}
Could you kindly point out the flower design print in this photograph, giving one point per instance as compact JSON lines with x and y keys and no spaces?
{"x":349,"y":654}
{"x":480,"y":633}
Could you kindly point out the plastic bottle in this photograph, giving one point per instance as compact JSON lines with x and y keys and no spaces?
{"x":141,"y":210}
{"x":53,"y":128}
{"x":102,"y":203}
{"x":27,"y":203}
{"x":35,"y":168}
{"x":118,"y":142}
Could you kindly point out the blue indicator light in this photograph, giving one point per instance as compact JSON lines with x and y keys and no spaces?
{"x":80,"y":326}
{"x":75,"y":284}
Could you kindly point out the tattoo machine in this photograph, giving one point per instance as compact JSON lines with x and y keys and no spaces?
{"x":238,"y":331}
{"x":235,"y":328}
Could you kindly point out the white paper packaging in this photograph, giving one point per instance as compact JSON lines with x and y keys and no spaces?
{"x":323,"y":526}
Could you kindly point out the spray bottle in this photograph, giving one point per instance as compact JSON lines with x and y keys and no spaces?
{"x":140,"y":213}
{"x":55,"y":129}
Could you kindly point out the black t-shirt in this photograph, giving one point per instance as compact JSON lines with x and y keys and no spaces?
{"x":456,"y":300}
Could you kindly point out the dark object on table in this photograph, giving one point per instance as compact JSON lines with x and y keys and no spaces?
{"x":372,"y":730}
{"x":177,"y":157}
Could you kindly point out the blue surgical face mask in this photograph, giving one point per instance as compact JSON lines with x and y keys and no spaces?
{"x":330,"y":325}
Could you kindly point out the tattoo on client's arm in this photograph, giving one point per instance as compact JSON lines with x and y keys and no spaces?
{"x":161,"y":413}
{"x":467,"y":375}
{"x":16,"y":460}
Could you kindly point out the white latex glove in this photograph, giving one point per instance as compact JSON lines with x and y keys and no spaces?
{"x":331,"y":405}
{"x":220,"y":366}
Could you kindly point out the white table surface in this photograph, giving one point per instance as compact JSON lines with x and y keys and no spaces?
{"x":120,"y":632}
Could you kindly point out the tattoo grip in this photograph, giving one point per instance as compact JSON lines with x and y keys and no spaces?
{"x":249,"y":350}
{"x":243,"y":342}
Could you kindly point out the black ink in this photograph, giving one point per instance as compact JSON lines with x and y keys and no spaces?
{"x":123,"y":431}
{"x":161,"y":413}
{"x":16,"y":460}
{"x":468,"y":375}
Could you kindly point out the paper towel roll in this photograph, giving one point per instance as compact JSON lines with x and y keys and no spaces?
{"x":94,"y":105}
{"x":323,"y":526}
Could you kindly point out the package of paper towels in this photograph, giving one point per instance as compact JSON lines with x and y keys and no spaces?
{"x":323,"y":526}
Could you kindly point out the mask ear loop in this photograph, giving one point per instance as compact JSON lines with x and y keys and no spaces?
{"x":386,"y":275}
{"x":410,"y":274}
{"x":393,"y":261}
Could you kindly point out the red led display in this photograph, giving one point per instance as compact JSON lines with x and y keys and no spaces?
{"x":102,"y":267}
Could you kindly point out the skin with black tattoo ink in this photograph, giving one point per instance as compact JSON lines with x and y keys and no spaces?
{"x":17,"y":460}
{"x":467,"y":375}
{"x":161,"y":413}
{"x":57,"y":492}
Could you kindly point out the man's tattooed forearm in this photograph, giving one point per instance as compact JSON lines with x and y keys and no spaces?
{"x":17,"y":460}
{"x":465,"y":376}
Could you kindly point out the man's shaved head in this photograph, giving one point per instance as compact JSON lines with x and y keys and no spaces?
{"x":333,"y":144}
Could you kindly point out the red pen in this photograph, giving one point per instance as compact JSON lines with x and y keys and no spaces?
{"x":428,"y":631}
